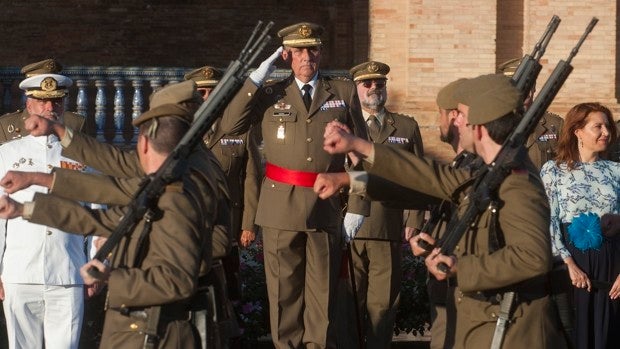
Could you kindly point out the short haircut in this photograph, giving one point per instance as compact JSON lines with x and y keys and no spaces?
{"x":168,"y":132}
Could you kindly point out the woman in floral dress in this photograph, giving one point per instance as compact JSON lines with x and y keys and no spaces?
{"x":584,"y":192}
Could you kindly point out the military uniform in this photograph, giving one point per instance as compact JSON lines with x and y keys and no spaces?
{"x":376,"y":250}
{"x":300,"y":231}
{"x":12,"y":124}
{"x":542,"y":143}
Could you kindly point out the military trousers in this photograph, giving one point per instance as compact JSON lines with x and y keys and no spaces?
{"x":301,"y":273}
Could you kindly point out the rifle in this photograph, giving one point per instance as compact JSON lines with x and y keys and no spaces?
{"x":524,"y":79}
{"x":144,"y":201}
{"x":525,"y":76}
{"x":492,"y":176}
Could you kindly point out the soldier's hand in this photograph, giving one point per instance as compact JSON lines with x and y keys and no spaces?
{"x":435,"y":258}
{"x":93,"y":290}
{"x":94,"y":263}
{"x":265,"y":69}
{"x":247,"y":237}
{"x":39,"y":125}
{"x":10,"y":208}
{"x":328,"y":184}
{"x":17,"y":180}
{"x":417,"y":247}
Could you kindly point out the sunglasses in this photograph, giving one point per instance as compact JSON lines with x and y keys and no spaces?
{"x":378,"y":83}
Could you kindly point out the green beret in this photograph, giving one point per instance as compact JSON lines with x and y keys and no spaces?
{"x":509,"y":67}
{"x":47,"y":66}
{"x":370,"y":70}
{"x":169,"y":109}
{"x":488,"y":97}
{"x":205,"y":76}
{"x":446,"y":97}
{"x":301,"y":35}
{"x":175,"y":93}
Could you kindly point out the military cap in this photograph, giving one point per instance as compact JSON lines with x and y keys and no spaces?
{"x":169,"y":109}
{"x":175,"y":93}
{"x":46,"y":66}
{"x":205,"y":77}
{"x":446,"y":97}
{"x":301,"y":35}
{"x":370,"y":70}
{"x":45,"y":86}
{"x":509,"y":67}
{"x":488,"y":97}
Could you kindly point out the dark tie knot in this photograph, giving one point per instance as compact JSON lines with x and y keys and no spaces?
{"x":307,"y":98}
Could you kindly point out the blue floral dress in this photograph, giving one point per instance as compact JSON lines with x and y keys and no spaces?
{"x":589,"y":187}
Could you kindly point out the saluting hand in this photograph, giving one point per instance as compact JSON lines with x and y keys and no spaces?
{"x":328,"y":184}
{"x":10,"y":208}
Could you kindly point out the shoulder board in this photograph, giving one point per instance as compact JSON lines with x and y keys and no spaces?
{"x":14,"y":114}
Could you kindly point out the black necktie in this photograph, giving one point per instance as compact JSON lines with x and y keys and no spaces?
{"x":373,"y":127}
{"x":306,"y":97}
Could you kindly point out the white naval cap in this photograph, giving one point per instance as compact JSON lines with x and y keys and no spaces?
{"x":45,"y":86}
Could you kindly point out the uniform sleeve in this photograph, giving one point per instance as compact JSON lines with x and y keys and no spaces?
{"x":169,"y":272}
{"x":92,"y":187}
{"x":238,"y":115}
{"x":103,"y":157}
{"x":549,"y":176}
{"x":253,"y":176}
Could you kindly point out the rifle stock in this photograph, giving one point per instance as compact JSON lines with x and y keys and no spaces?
{"x":492,"y":177}
{"x":152,"y":187}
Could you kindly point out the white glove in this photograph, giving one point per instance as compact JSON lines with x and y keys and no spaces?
{"x":352,"y":224}
{"x":266,"y":68}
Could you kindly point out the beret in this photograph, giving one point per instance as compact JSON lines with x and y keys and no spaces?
{"x":169,"y":109}
{"x":303,"y":34}
{"x":175,"y":93}
{"x":370,"y":70}
{"x":446,"y":97}
{"x":488,"y":97}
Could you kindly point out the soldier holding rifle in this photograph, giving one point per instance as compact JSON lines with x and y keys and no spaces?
{"x":507,"y":248}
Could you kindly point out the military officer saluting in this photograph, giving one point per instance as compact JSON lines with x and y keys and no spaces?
{"x":300,"y":232}
{"x":12,"y":124}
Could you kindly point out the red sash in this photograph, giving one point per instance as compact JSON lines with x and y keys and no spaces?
{"x":284,"y":175}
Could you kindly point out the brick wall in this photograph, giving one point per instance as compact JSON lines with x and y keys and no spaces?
{"x":173,"y":33}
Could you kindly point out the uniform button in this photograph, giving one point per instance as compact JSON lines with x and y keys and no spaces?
{"x":50,"y":167}
{"x":249,"y":94}
{"x":133,"y":326}
{"x":280,"y":119}
{"x":273,"y":185}
{"x":49,"y":146}
{"x":308,"y":139}
{"x":308,"y":121}
{"x":309,"y":159}
{"x":493,"y":315}
{"x":49,"y":232}
{"x":456,"y":248}
{"x":18,"y":130}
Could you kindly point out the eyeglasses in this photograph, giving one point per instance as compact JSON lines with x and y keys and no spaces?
{"x":379,"y":84}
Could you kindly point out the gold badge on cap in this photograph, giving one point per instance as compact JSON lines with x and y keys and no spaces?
{"x":208,"y":73}
{"x":373,"y":67}
{"x":50,"y":65}
{"x":305,"y":31}
{"x":49,"y":84}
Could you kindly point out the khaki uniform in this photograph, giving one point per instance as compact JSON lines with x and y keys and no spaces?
{"x":543,"y":142}
{"x":301,"y":233}
{"x":12,"y":124}
{"x":176,"y":244}
{"x":521,"y":265}
{"x":240,"y":160}
{"x":114,"y":162}
{"x":376,"y":249}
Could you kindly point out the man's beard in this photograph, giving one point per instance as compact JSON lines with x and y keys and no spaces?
{"x":374,"y":101}
{"x":448,"y":137}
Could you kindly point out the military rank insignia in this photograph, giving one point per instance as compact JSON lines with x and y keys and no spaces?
{"x":72,"y":165}
{"x":231,"y":141}
{"x":398,"y":140}
{"x":339,"y":103}
{"x":547,"y":137}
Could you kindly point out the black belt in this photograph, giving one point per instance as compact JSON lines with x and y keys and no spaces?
{"x":169,"y":312}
